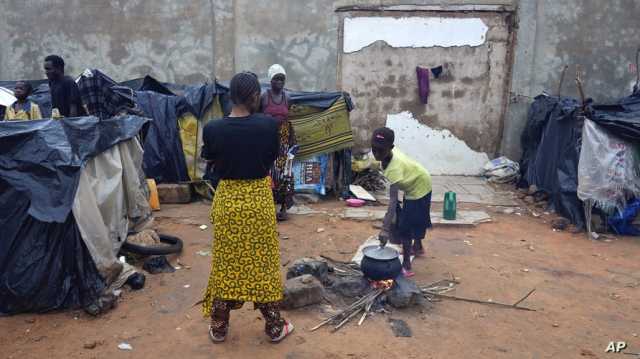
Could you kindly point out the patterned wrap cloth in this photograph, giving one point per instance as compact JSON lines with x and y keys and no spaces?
{"x":245,"y":265}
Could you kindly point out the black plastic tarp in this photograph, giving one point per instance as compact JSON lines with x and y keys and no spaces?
{"x":149,"y":83}
{"x":42,"y":159}
{"x":199,"y":96}
{"x":164,"y":103}
{"x":44,"y":263}
{"x":622,"y":119}
{"x":322,"y":100}
{"x":537,"y":117}
{"x":163,"y":154}
{"x":551,"y":151}
{"x":202,"y":96}
{"x":43,"y":266}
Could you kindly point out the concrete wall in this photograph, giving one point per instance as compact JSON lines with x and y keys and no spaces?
{"x":300,"y":35}
{"x":171,"y":40}
{"x":469,"y":102}
{"x":602,"y":36}
{"x":176,"y":41}
{"x":189,"y":41}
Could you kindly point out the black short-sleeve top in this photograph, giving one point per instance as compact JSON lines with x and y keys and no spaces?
{"x":241,"y":147}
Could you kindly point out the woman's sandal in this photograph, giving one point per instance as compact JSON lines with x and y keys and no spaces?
{"x":216,"y":338}
{"x":288,"y":329}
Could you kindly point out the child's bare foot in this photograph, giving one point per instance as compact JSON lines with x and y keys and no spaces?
{"x":407,"y":273}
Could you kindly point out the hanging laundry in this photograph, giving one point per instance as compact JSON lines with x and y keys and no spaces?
{"x":436,"y":71}
{"x":423,"y":84}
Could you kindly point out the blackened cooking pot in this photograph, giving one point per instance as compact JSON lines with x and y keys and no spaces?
{"x":380,"y":263}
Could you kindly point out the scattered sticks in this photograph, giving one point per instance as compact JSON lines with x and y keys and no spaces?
{"x":342,"y":268}
{"x":343,"y":317}
{"x":437,"y":289}
{"x":431,"y":291}
{"x":525,"y":297}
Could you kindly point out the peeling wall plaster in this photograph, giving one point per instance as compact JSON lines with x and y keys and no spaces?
{"x":361,"y":32}
{"x":439,"y":151}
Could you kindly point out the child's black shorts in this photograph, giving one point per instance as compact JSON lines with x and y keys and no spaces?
{"x":414,"y":217}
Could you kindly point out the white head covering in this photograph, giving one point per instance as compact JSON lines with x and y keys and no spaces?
{"x":276,"y":69}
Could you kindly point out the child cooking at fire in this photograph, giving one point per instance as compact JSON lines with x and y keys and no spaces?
{"x":412,"y":218}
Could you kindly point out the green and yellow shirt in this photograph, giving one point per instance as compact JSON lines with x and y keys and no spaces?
{"x":410,"y":176}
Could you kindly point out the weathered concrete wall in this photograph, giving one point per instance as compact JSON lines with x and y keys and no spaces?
{"x":300,"y":35}
{"x":224,"y":38}
{"x":189,"y":41}
{"x":469,"y":102}
{"x":171,"y":40}
{"x":177,"y":41}
{"x":601,"y":36}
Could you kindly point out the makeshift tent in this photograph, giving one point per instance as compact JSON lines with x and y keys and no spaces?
{"x":320,"y":119}
{"x":164,"y":158}
{"x":608,"y":171}
{"x":609,"y":165}
{"x":621,"y":119}
{"x":185,"y":109}
{"x":554,"y":149}
{"x":70,"y":190}
{"x":179,"y":113}
{"x":551,"y":149}
{"x":205,"y":101}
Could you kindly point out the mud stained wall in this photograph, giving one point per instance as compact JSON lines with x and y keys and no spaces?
{"x":601,"y":36}
{"x":171,"y":40}
{"x":300,"y":35}
{"x":192,"y":41}
{"x":176,"y":41}
{"x":469,"y":102}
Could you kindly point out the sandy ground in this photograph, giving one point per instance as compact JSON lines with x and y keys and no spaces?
{"x":587,"y":294}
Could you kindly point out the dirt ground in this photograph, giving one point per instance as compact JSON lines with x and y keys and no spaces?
{"x":587,"y":294}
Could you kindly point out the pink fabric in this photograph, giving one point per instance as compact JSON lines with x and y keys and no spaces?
{"x":423,"y":84}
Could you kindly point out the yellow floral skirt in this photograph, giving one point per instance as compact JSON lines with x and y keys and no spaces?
{"x":245,"y":263}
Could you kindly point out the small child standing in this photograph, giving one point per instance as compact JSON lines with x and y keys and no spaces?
{"x":23,"y":109}
{"x":414,"y":216}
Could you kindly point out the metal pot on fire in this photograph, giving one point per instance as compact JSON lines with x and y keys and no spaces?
{"x":380,"y":263}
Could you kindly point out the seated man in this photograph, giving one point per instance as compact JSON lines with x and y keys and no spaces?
{"x":23,"y":109}
{"x":65,"y":95}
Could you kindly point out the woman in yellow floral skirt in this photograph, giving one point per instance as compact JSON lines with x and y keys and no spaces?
{"x":246,"y":255}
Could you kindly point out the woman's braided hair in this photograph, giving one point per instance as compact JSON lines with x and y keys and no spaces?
{"x":243,"y":87}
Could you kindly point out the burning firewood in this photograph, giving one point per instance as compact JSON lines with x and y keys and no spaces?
{"x":363,"y":304}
